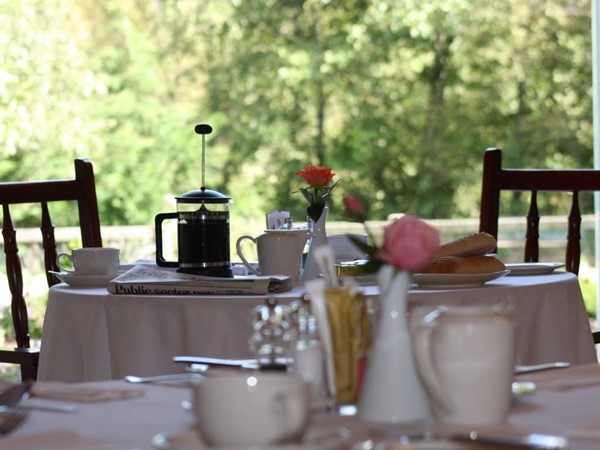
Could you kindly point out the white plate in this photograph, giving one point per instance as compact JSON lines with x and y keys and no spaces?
{"x":76,"y":280}
{"x":455,"y":280}
{"x":316,"y":405}
{"x":316,"y":438}
{"x":417,"y":444}
{"x":533,"y":268}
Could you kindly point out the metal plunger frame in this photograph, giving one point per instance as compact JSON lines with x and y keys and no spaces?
{"x":203,"y":129}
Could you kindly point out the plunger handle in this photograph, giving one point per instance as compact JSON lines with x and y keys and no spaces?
{"x":203,"y":129}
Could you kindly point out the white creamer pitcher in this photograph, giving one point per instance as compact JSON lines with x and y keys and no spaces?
{"x":465,"y":357}
{"x":279,"y":252}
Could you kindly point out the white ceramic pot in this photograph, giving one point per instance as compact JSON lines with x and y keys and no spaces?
{"x":465,"y":358}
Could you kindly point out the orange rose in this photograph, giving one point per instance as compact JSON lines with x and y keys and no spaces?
{"x":316,"y":176}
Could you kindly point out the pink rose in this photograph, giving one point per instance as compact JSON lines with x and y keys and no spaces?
{"x":409,"y":243}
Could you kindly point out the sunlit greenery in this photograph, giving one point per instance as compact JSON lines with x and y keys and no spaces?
{"x":399,"y":97}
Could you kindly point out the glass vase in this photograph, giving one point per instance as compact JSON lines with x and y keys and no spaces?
{"x":319,"y":237}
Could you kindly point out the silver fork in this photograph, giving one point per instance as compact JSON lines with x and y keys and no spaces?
{"x":11,"y":419}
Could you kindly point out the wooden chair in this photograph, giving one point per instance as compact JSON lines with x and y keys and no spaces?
{"x":497,"y":179}
{"x":81,"y":190}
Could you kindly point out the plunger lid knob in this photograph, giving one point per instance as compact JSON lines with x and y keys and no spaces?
{"x":203,"y":128}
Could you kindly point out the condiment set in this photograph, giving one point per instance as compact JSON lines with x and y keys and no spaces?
{"x":286,"y":338}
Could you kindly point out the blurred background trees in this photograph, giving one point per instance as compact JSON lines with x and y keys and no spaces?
{"x":400,"y":98}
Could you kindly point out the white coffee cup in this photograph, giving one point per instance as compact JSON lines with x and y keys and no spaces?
{"x":91,"y":261}
{"x":465,"y":356}
{"x":251,"y":409}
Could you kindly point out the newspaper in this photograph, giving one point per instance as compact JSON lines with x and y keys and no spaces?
{"x":150,"y":280}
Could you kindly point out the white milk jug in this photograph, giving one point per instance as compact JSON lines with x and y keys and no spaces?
{"x":279,"y":252}
{"x":465,"y":357}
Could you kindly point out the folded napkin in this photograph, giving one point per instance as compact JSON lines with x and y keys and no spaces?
{"x":276,"y":219}
{"x":83,"y":393}
{"x":56,"y":440}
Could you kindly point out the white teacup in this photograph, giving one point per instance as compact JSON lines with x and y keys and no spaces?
{"x":251,"y":409}
{"x":465,"y":356}
{"x":91,"y":261}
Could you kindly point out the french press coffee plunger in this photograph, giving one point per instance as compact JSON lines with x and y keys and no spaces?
{"x":202,"y":216}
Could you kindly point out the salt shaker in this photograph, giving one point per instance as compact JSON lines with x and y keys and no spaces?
{"x":273,"y":337}
{"x":308,"y":361}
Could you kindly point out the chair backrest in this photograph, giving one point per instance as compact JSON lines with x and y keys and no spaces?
{"x":497,"y":179}
{"x":81,"y":190}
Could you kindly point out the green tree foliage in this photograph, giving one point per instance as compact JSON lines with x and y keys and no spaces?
{"x":400,"y":98}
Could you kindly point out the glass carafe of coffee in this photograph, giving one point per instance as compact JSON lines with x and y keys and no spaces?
{"x":203,"y":245}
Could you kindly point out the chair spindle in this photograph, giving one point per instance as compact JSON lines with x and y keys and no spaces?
{"x":532,"y":245}
{"x":573,"y":252}
{"x":15,"y":280}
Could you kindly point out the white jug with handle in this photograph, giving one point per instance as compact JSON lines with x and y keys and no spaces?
{"x":279,"y":252}
{"x":465,"y":357}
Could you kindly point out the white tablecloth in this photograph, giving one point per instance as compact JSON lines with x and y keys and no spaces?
{"x":91,"y":335}
{"x":131,"y":423}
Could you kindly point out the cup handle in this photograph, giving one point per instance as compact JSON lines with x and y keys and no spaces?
{"x":240,"y":254}
{"x":423,"y":345}
{"x":69,"y":257}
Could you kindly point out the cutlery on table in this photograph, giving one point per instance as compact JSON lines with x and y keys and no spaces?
{"x":539,"y":367}
{"x":43,"y":404}
{"x":246,"y":364}
{"x":533,"y":440}
{"x":17,"y":397}
{"x":164,"y":378}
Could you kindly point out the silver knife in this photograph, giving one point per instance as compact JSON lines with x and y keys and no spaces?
{"x":43,"y":404}
{"x":539,"y":367}
{"x":188,"y":376}
{"x":533,"y":440}
{"x":242,"y":364}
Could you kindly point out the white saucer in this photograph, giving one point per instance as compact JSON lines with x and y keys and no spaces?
{"x":455,"y":280}
{"x":316,"y":405}
{"x":76,"y":280}
{"x":316,"y":438}
{"x":517,"y":269}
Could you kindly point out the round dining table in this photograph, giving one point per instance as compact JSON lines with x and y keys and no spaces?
{"x":561,"y":403}
{"x":90,"y":334}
